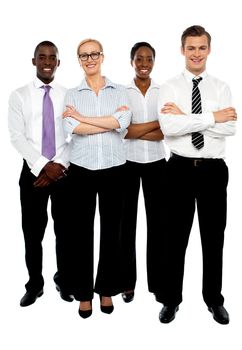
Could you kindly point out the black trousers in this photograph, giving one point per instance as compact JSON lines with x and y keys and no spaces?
{"x":191,"y":183}
{"x":84,"y":186}
{"x":34,"y":202}
{"x":152,"y":177}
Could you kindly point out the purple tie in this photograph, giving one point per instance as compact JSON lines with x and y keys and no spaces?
{"x":48,"y":126}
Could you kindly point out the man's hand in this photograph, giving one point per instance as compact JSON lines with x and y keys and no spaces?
{"x":42,"y":181}
{"x":54,"y":171}
{"x":225,"y":115}
{"x":170,"y":108}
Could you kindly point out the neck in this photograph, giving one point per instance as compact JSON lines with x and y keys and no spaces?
{"x":142,"y":84}
{"x":196,"y":72}
{"x":96,"y":82}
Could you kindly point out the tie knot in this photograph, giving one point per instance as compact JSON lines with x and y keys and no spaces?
{"x":196,"y":81}
{"x":46,"y":88}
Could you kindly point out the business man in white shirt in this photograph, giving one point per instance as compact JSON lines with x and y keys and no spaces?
{"x":44,"y":169}
{"x":195,"y":117}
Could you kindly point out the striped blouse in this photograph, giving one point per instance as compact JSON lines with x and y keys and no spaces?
{"x":102,"y":150}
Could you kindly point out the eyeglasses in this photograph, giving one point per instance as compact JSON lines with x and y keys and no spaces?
{"x":94,"y":56}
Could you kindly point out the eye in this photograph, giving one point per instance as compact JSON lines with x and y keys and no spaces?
{"x":83,"y":57}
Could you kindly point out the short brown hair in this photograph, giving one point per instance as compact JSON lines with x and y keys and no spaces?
{"x":195,"y":31}
{"x":87,"y":41}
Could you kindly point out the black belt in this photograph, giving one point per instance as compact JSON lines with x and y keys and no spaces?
{"x":195,"y":161}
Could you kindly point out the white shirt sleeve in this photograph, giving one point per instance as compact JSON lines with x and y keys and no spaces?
{"x":227,"y":128}
{"x":18,"y":138}
{"x":180,"y":124}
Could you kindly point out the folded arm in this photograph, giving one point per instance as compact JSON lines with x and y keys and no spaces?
{"x":145,"y":131}
{"x":94,"y":125}
{"x":216,"y":124}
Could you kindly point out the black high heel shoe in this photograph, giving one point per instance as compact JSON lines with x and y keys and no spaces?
{"x":106,"y":309}
{"x":85,"y":313}
{"x":128,"y":296}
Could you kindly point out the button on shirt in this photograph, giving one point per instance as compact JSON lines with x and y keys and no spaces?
{"x":25,"y":123}
{"x":102,"y":150}
{"x":144,"y":109}
{"x":215,"y":95}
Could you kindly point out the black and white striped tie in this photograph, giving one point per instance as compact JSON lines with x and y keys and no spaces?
{"x":197,"y":138}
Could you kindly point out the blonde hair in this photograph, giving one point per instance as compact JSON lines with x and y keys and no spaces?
{"x":88,"y":41}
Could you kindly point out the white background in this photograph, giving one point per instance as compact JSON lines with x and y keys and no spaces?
{"x":51,"y":323}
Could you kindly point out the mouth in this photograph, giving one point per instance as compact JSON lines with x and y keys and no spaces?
{"x":196,"y":60}
{"x":47,"y":70}
{"x":90,"y":65}
{"x":144,"y":71}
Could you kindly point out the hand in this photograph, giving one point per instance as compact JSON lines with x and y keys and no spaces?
{"x":72,"y":112}
{"x":42,"y":181}
{"x":54,"y":171}
{"x":171,"y":108}
{"x":122,"y":109}
{"x":225,"y":115}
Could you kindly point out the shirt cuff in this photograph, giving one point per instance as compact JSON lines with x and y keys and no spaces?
{"x":38,"y":166}
{"x":62,"y":162}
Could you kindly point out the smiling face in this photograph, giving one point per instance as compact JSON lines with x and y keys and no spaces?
{"x":196,"y":50}
{"x":143,"y":62}
{"x":46,"y":62}
{"x":91,"y":66}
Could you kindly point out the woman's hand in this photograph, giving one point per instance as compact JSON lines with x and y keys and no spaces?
{"x":73,"y":113}
{"x":122,"y":109}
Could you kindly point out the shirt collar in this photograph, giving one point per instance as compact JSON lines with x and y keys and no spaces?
{"x":153,"y":85}
{"x":108,"y":83}
{"x":38,"y":83}
{"x":189,"y":76}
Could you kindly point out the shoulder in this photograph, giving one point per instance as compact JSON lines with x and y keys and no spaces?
{"x":216,"y":81}
{"x":115,"y":86}
{"x":22,"y":92}
{"x":72,"y":91}
{"x":175,"y":80}
{"x":60,"y":87}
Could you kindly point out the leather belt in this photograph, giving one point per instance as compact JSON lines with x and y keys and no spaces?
{"x":195,"y":161}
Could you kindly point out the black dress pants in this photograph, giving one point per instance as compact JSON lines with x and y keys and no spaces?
{"x":34,"y":203}
{"x":152,"y":176}
{"x":191,"y":183}
{"x":84,"y":186}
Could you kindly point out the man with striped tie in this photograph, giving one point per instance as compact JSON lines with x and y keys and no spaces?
{"x":195,"y":117}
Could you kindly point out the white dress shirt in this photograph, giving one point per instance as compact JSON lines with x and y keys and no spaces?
{"x":102,"y":150}
{"x":144,"y":109}
{"x":215,"y":95}
{"x":25,"y":123}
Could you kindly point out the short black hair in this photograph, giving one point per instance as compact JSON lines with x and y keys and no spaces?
{"x":138,"y":45}
{"x":44,"y":43}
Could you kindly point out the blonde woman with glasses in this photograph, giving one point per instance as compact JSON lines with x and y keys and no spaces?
{"x":96,"y":116}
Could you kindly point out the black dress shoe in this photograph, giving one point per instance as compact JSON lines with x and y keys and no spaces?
{"x":64,"y":295}
{"x":85,"y":313}
{"x":106,"y":309}
{"x":30,"y":297}
{"x":168,"y":313}
{"x":128,"y":296}
{"x":220,"y":314}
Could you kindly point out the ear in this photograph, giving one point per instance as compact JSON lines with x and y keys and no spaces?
{"x":131,"y":62}
{"x":182,"y":50}
{"x":58,"y":63}
{"x":33,"y":62}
